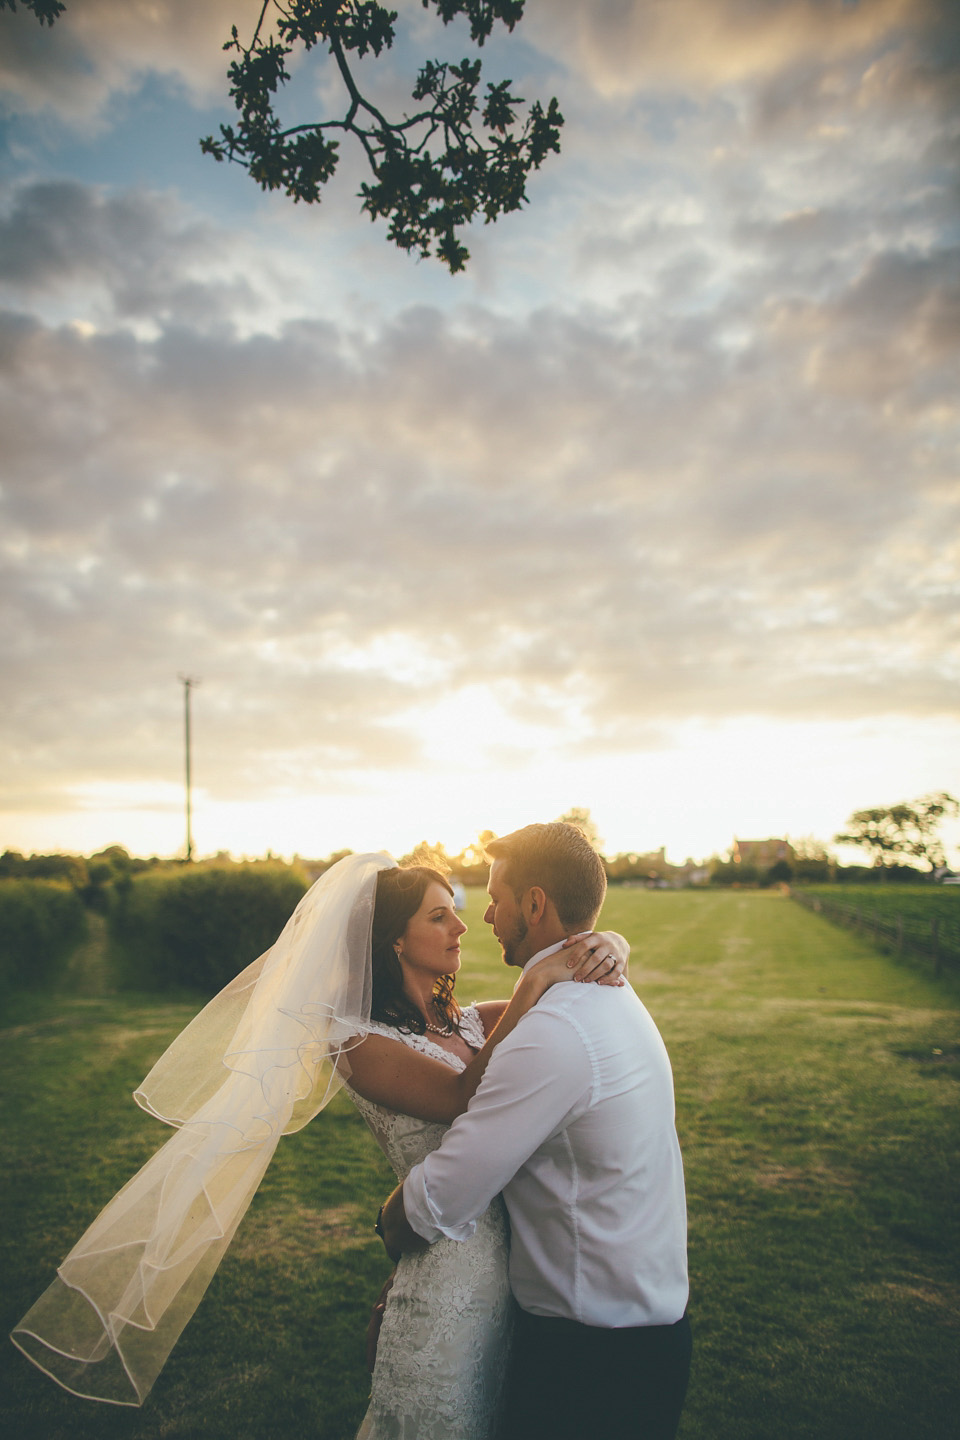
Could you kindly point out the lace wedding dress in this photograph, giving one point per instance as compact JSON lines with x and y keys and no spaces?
{"x":444,"y":1341}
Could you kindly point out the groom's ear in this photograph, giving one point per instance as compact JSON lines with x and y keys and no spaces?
{"x":533,"y":906}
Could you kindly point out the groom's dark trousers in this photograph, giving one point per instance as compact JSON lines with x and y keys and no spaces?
{"x":577,"y":1382}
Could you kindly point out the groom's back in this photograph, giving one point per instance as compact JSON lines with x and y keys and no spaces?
{"x":598,"y":1210}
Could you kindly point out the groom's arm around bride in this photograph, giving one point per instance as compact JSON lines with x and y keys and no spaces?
{"x":574,"y":1123}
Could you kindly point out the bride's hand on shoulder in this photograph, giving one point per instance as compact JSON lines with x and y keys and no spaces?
{"x":599,"y":957}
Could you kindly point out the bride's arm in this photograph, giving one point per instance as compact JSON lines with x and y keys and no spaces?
{"x":576,"y":952}
{"x":393,"y":1074}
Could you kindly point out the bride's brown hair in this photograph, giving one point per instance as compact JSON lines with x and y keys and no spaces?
{"x":400,"y":893}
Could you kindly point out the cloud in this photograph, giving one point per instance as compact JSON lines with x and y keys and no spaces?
{"x":890,"y":340}
{"x":684,"y":449}
{"x":137,"y":250}
{"x":100,"y":48}
{"x":617,"y":517}
{"x":623,"y":45}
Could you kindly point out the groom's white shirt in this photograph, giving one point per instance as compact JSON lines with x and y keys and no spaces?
{"x":574,"y":1122}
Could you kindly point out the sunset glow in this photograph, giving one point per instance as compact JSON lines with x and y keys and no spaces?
{"x":655,"y":510}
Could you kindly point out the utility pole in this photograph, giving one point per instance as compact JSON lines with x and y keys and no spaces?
{"x":188,"y":682}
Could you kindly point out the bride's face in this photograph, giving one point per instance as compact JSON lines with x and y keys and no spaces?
{"x":430,"y":945}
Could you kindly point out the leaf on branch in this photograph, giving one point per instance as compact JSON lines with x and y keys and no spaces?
{"x":361,"y":26}
{"x":46,"y":11}
{"x":481,"y":14}
{"x":433,"y":171}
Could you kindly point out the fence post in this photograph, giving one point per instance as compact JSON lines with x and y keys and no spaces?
{"x":935,"y":944}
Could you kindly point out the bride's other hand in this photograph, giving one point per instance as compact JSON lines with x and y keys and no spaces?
{"x":376,"y":1320}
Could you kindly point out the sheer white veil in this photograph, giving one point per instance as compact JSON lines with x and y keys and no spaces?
{"x":259,"y":1061}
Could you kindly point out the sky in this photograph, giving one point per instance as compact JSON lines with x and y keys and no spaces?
{"x":655,"y":510}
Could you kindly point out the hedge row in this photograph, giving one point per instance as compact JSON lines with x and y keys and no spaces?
{"x":41,"y":922}
{"x":197,"y":928}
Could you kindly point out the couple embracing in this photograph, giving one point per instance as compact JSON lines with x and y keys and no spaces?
{"x":561,"y":1103}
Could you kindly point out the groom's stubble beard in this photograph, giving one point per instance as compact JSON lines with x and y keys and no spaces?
{"x":517,"y":938}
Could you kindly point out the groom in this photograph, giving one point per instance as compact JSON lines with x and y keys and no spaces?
{"x":574,"y":1122}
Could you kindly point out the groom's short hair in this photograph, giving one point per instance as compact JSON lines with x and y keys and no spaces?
{"x":560,"y":859}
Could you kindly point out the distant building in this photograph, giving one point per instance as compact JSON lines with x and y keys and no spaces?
{"x":654,"y":864}
{"x":650,"y":868}
{"x":762,"y":854}
{"x":693,"y":873}
{"x":653,"y":870}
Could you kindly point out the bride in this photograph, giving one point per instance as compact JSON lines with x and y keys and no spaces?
{"x":326,"y":1004}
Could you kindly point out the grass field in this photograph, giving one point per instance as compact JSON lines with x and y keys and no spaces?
{"x":916,"y":902}
{"x":901,"y":917}
{"x":817,"y":1109}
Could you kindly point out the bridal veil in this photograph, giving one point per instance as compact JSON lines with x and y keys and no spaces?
{"x":259,"y":1061}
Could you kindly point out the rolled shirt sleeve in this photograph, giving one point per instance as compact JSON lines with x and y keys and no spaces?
{"x":537,"y":1081}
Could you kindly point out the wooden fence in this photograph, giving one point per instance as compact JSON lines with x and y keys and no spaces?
{"x":933,"y":937}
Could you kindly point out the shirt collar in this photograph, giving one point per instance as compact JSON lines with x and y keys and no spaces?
{"x":550,"y":950}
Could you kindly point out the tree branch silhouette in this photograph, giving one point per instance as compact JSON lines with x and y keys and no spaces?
{"x":458,"y":156}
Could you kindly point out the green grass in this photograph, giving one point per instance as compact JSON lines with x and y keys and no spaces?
{"x":913,"y":902}
{"x":898,"y":917}
{"x":917,"y":901}
{"x":817,"y":1109}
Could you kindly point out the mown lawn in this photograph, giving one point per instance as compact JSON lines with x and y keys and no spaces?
{"x":901,"y":918}
{"x":817,"y":1087}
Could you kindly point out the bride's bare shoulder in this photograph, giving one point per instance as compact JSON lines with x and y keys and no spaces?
{"x":490,"y":1012}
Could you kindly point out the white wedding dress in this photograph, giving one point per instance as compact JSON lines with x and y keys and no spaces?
{"x":444,"y":1342}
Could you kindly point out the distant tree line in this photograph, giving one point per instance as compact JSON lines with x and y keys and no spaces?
{"x":897,"y":838}
{"x":178,"y":925}
{"x":907,"y":831}
{"x":88,"y":875}
{"x":169,"y":925}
